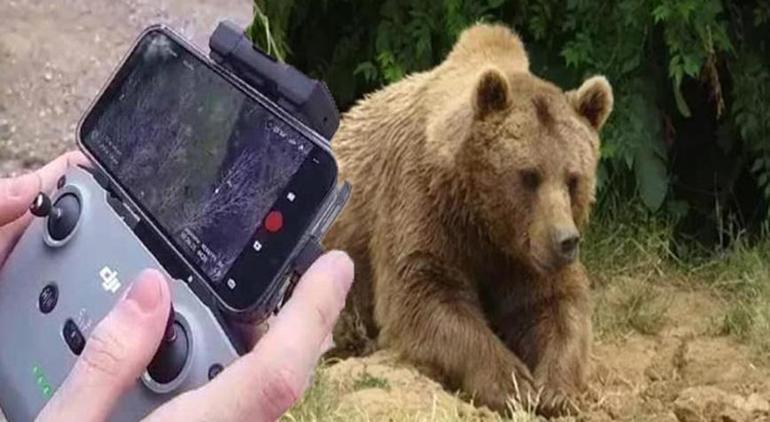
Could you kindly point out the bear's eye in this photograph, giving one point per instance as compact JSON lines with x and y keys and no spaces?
{"x":572,"y":183}
{"x":530,"y":178}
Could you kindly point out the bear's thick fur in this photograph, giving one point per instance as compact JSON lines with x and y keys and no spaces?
{"x":470,"y":184}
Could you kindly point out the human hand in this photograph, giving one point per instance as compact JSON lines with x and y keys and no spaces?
{"x":16,"y":194}
{"x":259,"y":386}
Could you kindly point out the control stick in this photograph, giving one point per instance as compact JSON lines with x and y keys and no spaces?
{"x":63,"y":215}
{"x":172,"y":353}
{"x":42,"y":207}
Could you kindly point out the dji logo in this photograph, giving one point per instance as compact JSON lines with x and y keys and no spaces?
{"x":110,"y":281}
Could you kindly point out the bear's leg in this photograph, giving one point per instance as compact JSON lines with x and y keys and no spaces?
{"x":556,"y":345}
{"x":355,"y":333}
{"x":431,"y":316}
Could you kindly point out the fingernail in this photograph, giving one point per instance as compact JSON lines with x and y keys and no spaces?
{"x":146,"y":291}
{"x":341,"y":265}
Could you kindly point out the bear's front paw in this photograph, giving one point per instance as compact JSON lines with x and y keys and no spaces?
{"x":554,"y":403}
{"x":496,"y":387}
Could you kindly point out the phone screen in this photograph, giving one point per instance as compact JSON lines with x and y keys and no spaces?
{"x":230,"y":183}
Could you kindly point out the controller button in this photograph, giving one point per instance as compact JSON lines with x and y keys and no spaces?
{"x":61,"y":224}
{"x":214,"y":370}
{"x":48,"y":298}
{"x":274,"y":221}
{"x":73,"y":337}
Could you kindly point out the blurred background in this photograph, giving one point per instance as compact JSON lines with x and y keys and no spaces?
{"x":689,"y":139}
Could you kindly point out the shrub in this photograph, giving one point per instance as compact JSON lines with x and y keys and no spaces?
{"x":690,"y":135}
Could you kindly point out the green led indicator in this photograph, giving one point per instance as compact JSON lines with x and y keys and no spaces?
{"x":42,"y":382}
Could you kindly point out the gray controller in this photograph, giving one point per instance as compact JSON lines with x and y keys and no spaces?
{"x":62,"y":279}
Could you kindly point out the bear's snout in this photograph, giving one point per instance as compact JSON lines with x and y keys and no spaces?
{"x":565,"y":244}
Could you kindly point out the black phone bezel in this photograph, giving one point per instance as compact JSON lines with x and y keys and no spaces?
{"x":278,"y":280}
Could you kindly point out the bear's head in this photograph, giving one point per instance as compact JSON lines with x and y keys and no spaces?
{"x":527,"y":153}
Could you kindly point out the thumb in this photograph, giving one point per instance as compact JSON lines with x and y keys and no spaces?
{"x":15,"y":196}
{"x":17,"y":193}
{"x":116,"y":354}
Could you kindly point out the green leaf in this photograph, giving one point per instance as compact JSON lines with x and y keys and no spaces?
{"x":691,"y":65}
{"x":631,"y":64}
{"x":368,"y":70}
{"x":661,"y":13}
{"x":651,"y":178}
{"x":681,"y":104}
{"x":642,"y":132}
{"x":601,"y":175}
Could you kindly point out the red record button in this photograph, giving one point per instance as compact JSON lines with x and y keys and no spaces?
{"x":274,"y":221}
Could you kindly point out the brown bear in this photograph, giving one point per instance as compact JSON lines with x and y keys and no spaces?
{"x":471,"y":182}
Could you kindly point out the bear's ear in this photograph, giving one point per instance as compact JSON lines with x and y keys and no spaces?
{"x":593,"y":100}
{"x":492,"y":94}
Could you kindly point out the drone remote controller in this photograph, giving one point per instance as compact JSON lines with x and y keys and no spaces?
{"x":64,"y":275}
{"x":83,"y":251}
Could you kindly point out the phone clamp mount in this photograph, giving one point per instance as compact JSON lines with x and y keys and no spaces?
{"x":76,"y":261}
{"x":309,"y":100}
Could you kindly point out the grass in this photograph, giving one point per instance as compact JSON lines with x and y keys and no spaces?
{"x":322,"y":403}
{"x":331,"y":399}
{"x":629,"y":305}
{"x":630,"y":255}
{"x":319,"y":402}
{"x":366,"y":380}
{"x":743,"y":276}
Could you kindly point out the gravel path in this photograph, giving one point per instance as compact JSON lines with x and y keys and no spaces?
{"x":56,"y":55}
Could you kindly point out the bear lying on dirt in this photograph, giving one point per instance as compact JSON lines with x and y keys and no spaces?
{"x":471,"y":182}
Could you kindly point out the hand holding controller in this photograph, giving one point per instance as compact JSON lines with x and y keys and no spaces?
{"x":103,"y":378}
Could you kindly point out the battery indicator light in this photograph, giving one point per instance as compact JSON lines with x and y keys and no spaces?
{"x":42,"y":382}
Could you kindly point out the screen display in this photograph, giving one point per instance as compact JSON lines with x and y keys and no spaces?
{"x":212,"y":166}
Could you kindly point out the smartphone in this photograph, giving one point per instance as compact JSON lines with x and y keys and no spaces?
{"x":225,"y":177}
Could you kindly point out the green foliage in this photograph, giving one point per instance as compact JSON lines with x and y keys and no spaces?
{"x":268,"y":29}
{"x":656,"y":53}
{"x":694,"y":32}
{"x":751,"y":111}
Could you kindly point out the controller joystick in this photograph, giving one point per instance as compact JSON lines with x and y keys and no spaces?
{"x":172,"y":352}
{"x":41,"y":206}
{"x":63,"y":215}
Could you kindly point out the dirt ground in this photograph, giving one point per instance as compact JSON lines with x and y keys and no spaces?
{"x":685,"y":373}
{"x":55,"y":56}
